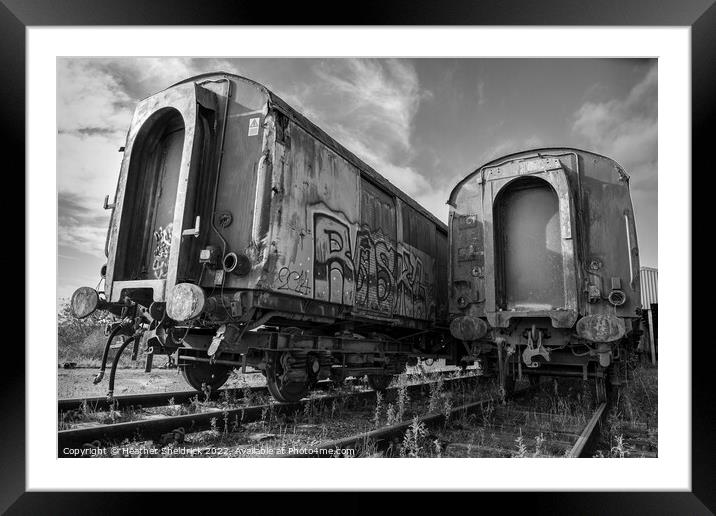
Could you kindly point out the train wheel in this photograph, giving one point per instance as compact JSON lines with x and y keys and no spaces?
{"x":282,"y":381}
{"x":200,"y":374}
{"x":379,"y":382}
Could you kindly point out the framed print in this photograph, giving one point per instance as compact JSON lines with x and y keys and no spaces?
{"x":435,"y":248}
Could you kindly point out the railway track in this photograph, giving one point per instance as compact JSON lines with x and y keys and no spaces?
{"x":159,"y":399}
{"x":562,"y":436}
{"x":164,"y":429}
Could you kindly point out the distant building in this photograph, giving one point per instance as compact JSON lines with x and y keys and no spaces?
{"x":649,"y":280}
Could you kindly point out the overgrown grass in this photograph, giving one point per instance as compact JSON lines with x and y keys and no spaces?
{"x":633,"y":417}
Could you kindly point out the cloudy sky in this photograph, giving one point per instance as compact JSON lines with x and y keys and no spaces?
{"x":422,"y":123}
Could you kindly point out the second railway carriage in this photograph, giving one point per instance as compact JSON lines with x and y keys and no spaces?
{"x":544,"y":265}
{"x":242,"y":234}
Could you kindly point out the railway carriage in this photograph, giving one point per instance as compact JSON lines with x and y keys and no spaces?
{"x":243,"y":235}
{"x":544,"y":266}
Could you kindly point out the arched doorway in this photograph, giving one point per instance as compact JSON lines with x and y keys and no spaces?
{"x":528,"y":244}
{"x":151,"y":196}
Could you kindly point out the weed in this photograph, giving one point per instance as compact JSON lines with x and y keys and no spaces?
{"x":195,"y":405}
{"x":620,"y":449}
{"x":226,"y":423}
{"x":172,"y":409}
{"x":436,"y":393}
{"x":206,"y":390}
{"x":521,"y":446}
{"x":447,"y":410}
{"x":308,"y":411}
{"x":539,"y":440}
{"x":403,"y":400}
{"x":390,"y":415}
{"x":438,"y":447}
{"x":248,"y":395}
{"x":368,"y":448}
{"x":412,"y":440}
{"x":488,"y":414}
{"x":264,"y":416}
{"x":378,"y":409}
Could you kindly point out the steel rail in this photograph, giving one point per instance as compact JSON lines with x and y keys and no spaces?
{"x":578,"y":448}
{"x":152,"y":429}
{"x":383,"y":436}
{"x":158,"y":399}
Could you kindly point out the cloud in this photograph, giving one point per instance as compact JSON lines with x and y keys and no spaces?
{"x":480,"y":93}
{"x":79,"y":226}
{"x":95,"y":101}
{"x":98,"y":95}
{"x":369,"y":106}
{"x":90,"y":99}
{"x":141,"y":77}
{"x":625,"y":129}
{"x":380,"y":98}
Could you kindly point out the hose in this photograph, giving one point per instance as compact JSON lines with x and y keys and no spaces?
{"x":105,"y":355}
{"x":115,"y":362}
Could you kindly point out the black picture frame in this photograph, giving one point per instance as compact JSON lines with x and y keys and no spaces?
{"x":700,"y":15}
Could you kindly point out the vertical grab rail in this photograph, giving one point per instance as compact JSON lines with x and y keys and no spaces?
{"x":629,"y":251}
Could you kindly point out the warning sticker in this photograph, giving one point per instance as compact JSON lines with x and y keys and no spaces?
{"x":253,"y":127}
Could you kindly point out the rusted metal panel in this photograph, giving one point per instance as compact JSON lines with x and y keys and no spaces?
{"x":337,"y":238}
{"x":531,"y":245}
{"x":314,"y":229}
{"x":378,"y":210}
{"x":649,"y":286}
{"x":246,"y":159}
{"x":497,"y":181}
{"x":276,"y":102}
{"x":597,"y":235}
{"x":467,"y":252}
{"x":609,"y":233}
{"x":177,"y":113}
{"x":304,"y":217}
{"x":441,"y":275}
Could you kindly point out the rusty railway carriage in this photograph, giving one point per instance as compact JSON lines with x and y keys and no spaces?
{"x":243,"y":235}
{"x":544,"y":266}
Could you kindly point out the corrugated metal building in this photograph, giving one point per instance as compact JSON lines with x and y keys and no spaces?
{"x":649,"y":277}
{"x":649,"y":286}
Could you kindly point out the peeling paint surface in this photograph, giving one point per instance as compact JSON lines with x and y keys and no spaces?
{"x":587,"y":229}
{"x":338,"y":238}
{"x":313,"y":221}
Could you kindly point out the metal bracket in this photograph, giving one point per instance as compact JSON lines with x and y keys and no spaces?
{"x":106,"y":204}
{"x":193,"y":231}
{"x":533,"y":349}
{"x":216,"y":341}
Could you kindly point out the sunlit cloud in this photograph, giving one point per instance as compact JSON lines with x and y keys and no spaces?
{"x":79,"y":226}
{"x":625,"y":129}
{"x":369,"y":106}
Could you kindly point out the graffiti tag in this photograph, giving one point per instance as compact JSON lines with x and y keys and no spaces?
{"x":160,"y":265}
